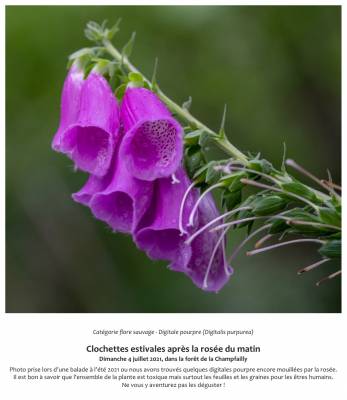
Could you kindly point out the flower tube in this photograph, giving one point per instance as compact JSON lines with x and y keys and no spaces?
{"x":89,"y":122}
{"x":70,"y":103}
{"x":117,"y":198}
{"x":153,"y":143}
{"x":124,"y":201}
{"x":159,"y":234}
{"x":207,"y":266}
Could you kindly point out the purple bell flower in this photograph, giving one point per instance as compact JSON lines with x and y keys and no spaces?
{"x":153,"y":143}
{"x":159,"y":234}
{"x":94,"y":184}
{"x":208,"y":267}
{"x":89,"y":122}
{"x":118,"y":198}
{"x":70,"y":103}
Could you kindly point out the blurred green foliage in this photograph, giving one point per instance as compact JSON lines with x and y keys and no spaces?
{"x":279,"y":71}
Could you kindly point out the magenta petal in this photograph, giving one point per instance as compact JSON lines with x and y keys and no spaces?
{"x":202,"y":252}
{"x":160,"y":236}
{"x":70,"y":103}
{"x":153,"y":143}
{"x":90,"y":139}
{"x":94,"y":184}
{"x":124,"y":201}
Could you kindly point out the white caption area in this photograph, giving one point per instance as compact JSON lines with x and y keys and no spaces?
{"x":156,"y":355}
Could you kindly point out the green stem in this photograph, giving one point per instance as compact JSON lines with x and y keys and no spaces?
{"x":222,"y":143}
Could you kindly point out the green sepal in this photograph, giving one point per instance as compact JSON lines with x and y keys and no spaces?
{"x":278,"y":226}
{"x":231,"y":199}
{"x":192,"y":138}
{"x":135,"y":80}
{"x":212,"y":174}
{"x":269,"y":205}
{"x":120,"y":91}
{"x":330,"y":216}
{"x":110,"y":33}
{"x":128,"y":48}
{"x":201,"y":173}
{"x":194,"y":159}
{"x":244,"y":214}
{"x":300,"y":190}
{"x":204,"y":138}
{"x":331,"y":249}
{"x":233,"y":181}
{"x":260,"y":166}
{"x":94,"y":32}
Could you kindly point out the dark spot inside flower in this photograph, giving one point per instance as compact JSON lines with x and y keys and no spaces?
{"x":154,"y":144}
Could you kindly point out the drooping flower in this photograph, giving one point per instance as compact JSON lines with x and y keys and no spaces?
{"x":153,"y":142}
{"x":117,"y":198}
{"x":208,"y":267}
{"x":89,"y":123}
{"x":159,"y":234}
{"x":70,"y":103}
{"x":94,"y":184}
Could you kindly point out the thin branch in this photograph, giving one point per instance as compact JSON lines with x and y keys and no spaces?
{"x":313,"y":266}
{"x":299,"y":168}
{"x":263,"y":240}
{"x":274,"y":246}
{"x":247,"y":239}
{"x":331,"y":276}
{"x":263,"y":186}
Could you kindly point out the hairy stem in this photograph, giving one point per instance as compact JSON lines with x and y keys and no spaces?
{"x":182,"y":113}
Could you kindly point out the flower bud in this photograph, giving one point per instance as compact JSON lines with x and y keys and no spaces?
{"x":269,"y":205}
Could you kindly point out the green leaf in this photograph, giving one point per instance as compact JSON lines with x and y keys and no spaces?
{"x":93,"y":31}
{"x":212,"y":175}
{"x":112,"y":31}
{"x":231,"y":199}
{"x":204,"y":138}
{"x":283,"y":165}
{"x":192,"y":138}
{"x":261,"y":166}
{"x":194,"y":160}
{"x":128,"y":48}
{"x":337,"y":235}
{"x":331,"y":249}
{"x":201,"y":173}
{"x":135,"y":80}
{"x":82,"y":52}
{"x":120,"y":91}
{"x":299,"y":215}
{"x":242,"y":215}
{"x":269,"y":205}
{"x":135,"y":77}
{"x":222,"y":125}
{"x":278,"y":226}
{"x":330,"y":216}
{"x":233,"y":181}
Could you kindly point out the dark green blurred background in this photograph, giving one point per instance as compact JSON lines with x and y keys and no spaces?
{"x":277,"y":68}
